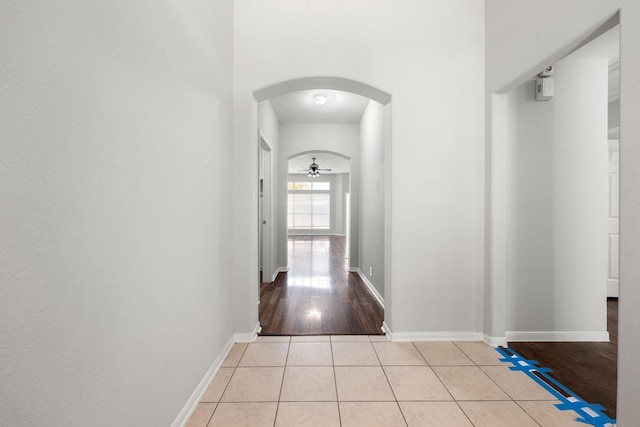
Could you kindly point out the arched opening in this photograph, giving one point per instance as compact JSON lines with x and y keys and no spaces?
{"x":353,"y":128}
{"x":334,"y":83}
{"x":335,"y":187}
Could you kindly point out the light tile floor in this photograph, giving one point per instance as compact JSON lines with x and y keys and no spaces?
{"x":366,"y":381}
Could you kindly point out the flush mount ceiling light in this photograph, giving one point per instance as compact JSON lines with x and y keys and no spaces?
{"x":319,"y":100}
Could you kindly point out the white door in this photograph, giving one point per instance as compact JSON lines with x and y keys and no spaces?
{"x":613,"y":222}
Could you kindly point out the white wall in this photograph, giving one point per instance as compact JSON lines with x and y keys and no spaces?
{"x":115,"y":155}
{"x":399,"y":48}
{"x":297,"y":138}
{"x":340,"y":206}
{"x":371,"y":245}
{"x":556,"y":207}
{"x":268,"y":124}
{"x":345,"y":188}
{"x":613,"y":112}
{"x":521,"y":38}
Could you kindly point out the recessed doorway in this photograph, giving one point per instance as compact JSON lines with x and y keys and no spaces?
{"x":328,"y":272}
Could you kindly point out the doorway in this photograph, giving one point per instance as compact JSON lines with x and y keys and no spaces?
{"x":562,"y":204}
{"x":290,"y":136}
{"x":321,"y":293}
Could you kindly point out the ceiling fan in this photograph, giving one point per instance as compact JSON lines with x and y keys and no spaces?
{"x":314,"y":168}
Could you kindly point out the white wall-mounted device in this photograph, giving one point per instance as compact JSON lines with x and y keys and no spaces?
{"x":544,"y":89}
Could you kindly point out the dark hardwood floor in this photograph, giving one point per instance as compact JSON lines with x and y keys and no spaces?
{"x":589,"y":369}
{"x":318,"y":295}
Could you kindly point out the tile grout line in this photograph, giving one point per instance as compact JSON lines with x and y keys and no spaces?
{"x":335,"y":380}
{"x":420,"y":353}
{"x":443,"y":384}
{"x":505,"y":392}
{"x":508,"y":395}
{"x":527,"y":412}
{"x":511,"y":399}
{"x":477,"y":366}
{"x":235,"y":368}
{"x":284,"y":371}
{"x":456,"y":401}
{"x":384,"y":372}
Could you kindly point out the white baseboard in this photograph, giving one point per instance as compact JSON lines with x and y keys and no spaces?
{"x":372,"y":288}
{"x":387,"y":331}
{"x":193,"y":401}
{"x":247,"y":337}
{"x":278,"y":271}
{"x":495,"y":341}
{"x":443,"y":336}
{"x":432,"y":336}
{"x":589,"y":336}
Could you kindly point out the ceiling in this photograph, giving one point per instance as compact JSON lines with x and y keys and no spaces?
{"x":337,"y":164}
{"x":298,"y":107}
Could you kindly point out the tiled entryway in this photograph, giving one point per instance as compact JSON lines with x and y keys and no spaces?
{"x":368,"y":381}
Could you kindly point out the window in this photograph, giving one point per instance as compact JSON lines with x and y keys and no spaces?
{"x":309,"y":205}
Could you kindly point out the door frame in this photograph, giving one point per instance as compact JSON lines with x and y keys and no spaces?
{"x":265,"y":209}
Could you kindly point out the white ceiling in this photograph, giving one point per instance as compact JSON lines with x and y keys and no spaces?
{"x":298,"y":107}
{"x":337,"y":164}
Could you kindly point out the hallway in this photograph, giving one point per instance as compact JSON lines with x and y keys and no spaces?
{"x":318,"y":295}
{"x":130,"y":194}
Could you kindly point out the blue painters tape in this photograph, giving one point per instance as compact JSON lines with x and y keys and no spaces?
{"x":590,"y":414}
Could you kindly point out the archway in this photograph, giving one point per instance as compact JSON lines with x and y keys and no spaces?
{"x":335,"y":83}
{"x":340,"y":189}
{"x":381,"y":100}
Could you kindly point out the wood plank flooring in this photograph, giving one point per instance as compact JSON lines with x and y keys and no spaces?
{"x":318,"y":295}
{"x":589,"y":369}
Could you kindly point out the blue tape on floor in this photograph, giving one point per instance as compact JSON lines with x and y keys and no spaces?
{"x":590,"y":414}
